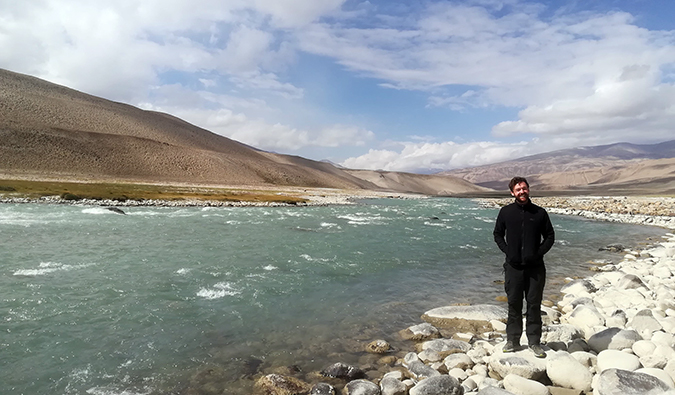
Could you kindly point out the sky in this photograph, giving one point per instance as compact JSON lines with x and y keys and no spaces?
{"x":399,"y":85}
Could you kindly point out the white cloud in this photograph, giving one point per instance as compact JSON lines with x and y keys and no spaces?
{"x":439,"y":156}
{"x":577,"y":78}
{"x":634,"y":103}
{"x":566,"y":71}
{"x":238,"y":126}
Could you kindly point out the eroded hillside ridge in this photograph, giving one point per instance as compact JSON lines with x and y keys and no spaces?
{"x":48,"y":131}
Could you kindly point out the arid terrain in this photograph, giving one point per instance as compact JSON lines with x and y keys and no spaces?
{"x":50,"y":132}
{"x":611,"y":169}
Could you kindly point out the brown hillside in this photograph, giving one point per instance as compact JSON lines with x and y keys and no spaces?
{"x":427,"y":184}
{"x":49,"y":131}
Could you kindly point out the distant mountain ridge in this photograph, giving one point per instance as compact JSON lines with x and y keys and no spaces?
{"x":48,"y":131}
{"x":572,"y":159}
{"x":594,"y":168}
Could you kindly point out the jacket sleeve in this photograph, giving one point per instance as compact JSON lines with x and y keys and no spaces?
{"x":500,"y":232}
{"x":549,"y":236}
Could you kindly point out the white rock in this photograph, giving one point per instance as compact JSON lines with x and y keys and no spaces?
{"x":392,"y":386}
{"x":644,"y":323}
{"x":469,"y":384}
{"x":613,"y":339}
{"x":618,"y":381}
{"x":522,"y":386}
{"x":522,"y":363}
{"x":654,"y":361}
{"x":609,"y":359}
{"x":430,"y":356}
{"x":498,"y":326}
{"x":422,"y":331}
{"x":395,"y":374}
{"x":662,"y":272}
{"x":590,"y":361}
{"x":643,"y":348}
{"x":476,"y":312}
{"x":481,"y":370}
{"x":477,"y":379}
{"x":561,"y":333}
{"x":668,"y":324}
{"x":463,"y":336}
{"x":489,"y":382}
{"x":446,"y":346}
{"x":459,"y":360}
{"x":567,"y":372}
{"x":458,"y":373}
{"x":659,"y":374}
{"x":670,"y":369}
{"x":478,"y":354}
{"x":442,"y":385}
{"x":584,"y":316}
{"x":579,"y":288}
{"x":663,"y":338}
{"x":616,"y":319}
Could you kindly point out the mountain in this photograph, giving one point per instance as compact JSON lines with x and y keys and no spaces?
{"x":656,"y":176}
{"x":421,"y":183}
{"x":613,"y":166}
{"x":48,"y":131}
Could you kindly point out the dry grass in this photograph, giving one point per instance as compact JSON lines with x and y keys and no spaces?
{"x":124,"y":191}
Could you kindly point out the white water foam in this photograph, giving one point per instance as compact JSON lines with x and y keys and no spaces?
{"x":270,"y":267}
{"x":183,"y":271}
{"x":466,"y":246}
{"x":108,"y":391}
{"x":362,"y":219}
{"x":312,"y":259}
{"x":28,"y":219}
{"x":97,"y":211}
{"x":219,"y":290}
{"x":48,"y":267}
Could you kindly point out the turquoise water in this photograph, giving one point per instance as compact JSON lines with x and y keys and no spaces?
{"x":167,"y":300}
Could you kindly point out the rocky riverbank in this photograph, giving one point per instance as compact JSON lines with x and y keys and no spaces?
{"x":656,"y":211}
{"x":612,"y":333}
{"x":314,"y":197}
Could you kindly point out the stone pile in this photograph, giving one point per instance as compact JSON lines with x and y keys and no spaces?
{"x":657,"y":211}
{"x":323,"y":197}
{"x":612,"y":333}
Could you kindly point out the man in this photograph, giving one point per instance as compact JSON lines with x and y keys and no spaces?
{"x":524,"y":233}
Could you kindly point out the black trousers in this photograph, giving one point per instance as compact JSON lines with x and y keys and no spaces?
{"x":525,"y":283}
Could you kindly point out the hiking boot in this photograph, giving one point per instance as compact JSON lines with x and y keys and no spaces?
{"x":510,"y":346}
{"x":538,"y":351}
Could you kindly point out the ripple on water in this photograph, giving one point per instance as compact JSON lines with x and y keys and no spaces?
{"x":219,"y":290}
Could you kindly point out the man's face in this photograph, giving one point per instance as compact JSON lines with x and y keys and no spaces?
{"x":521,"y":192}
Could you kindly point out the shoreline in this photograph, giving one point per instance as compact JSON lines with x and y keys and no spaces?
{"x":638,"y":210}
{"x":612,"y":331}
{"x":314,"y":196}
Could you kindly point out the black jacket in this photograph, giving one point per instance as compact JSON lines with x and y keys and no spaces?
{"x":529,"y":234}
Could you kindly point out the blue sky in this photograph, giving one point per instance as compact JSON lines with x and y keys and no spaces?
{"x":416,"y":86}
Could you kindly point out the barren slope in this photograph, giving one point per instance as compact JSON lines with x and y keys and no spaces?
{"x":649,"y":176}
{"x":591,"y":168}
{"x":47,"y":130}
{"x":421,"y":183}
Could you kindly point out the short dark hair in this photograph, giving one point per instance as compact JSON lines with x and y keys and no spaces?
{"x":517,"y":180}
